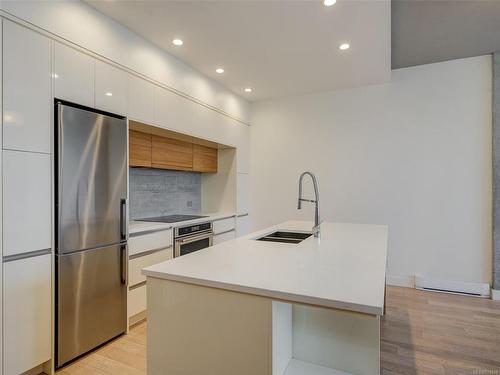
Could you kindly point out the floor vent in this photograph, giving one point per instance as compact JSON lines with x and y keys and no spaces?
{"x":453,"y":287}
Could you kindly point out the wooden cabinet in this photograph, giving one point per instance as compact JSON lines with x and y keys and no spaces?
{"x":150,"y":150}
{"x":168,"y":153}
{"x":26,"y":313}
{"x":27,"y":96}
{"x":139,"y":149}
{"x":73,"y":75}
{"x":27,"y":202}
{"x":204,"y":159}
{"x":110,"y":88}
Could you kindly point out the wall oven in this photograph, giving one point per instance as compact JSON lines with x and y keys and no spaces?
{"x":191,"y":238}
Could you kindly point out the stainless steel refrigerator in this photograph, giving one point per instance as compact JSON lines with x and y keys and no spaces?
{"x":91,"y":229}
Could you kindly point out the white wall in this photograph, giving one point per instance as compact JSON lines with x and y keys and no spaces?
{"x":83,"y":25}
{"x":414,"y":154}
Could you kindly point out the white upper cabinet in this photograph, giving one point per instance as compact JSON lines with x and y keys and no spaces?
{"x":26,"y":202}
{"x":73,"y":75}
{"x":26,"y":89}
{"x":242,"y":193}
{"x":26,"y":313}
{"x":110,"y":88}
{"x":141,"y":97}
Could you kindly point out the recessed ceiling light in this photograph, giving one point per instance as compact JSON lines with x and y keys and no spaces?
{"x":109,"y":94}
{"x":178,"y":42}
{"x":219,"y":70}
{"x":344,"y":46}
{"x":329,"y":3}
{"x":248,"y":89}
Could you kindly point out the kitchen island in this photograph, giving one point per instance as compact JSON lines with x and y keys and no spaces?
{"x":270,"y":308}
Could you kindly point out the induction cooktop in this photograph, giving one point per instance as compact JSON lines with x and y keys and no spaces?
{"x":172,"y":218}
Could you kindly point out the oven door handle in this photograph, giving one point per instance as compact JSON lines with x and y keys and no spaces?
{"x":189,"y":239}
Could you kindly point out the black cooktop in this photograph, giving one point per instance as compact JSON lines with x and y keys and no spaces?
{"x":172,"y":218}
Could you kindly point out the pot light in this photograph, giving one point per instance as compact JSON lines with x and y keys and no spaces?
{"x":109,"y":94}
{"x":329,"y":3}
{"x":219,"y":70}
{"x":344,"y":46}
{"x":248,"y":89}
{"x":178,"y":42}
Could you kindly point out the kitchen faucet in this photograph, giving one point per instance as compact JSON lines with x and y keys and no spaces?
{"x":317,"y":222}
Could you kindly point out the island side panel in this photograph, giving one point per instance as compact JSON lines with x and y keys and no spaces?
{"x":342,"y":340}
{"x":201,"y":330}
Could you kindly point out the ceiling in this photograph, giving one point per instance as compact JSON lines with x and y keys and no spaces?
{"x":278,"y":48}
{"x":425,"y":32}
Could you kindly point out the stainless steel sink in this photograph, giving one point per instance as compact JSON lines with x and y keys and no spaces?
{"x":285,"y":237}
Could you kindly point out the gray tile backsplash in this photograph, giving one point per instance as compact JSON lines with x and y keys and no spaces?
{"x":158,"y":192}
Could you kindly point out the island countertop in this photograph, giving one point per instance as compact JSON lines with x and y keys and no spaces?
{"x":344,"y":269}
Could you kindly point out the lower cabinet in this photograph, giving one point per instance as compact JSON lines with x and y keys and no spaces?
{"x":136,"y":303}
{"x":223,"y":237}
{"x":137,"y":281}
{"x":242,"y":225}
{"x":26,"y":313}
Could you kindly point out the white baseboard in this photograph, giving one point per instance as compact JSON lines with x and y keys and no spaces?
{"x":495,"y":294}
{"x":404,"y":281}
{"x":455,"y":287}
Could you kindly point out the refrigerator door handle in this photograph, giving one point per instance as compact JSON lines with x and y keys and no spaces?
{"x":123,"y":219}
{"x":123,"y":264}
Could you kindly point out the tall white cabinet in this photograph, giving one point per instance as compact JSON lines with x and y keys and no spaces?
{"x":26,"y":199}
{"x":27,"y":313}
{"x":27,"y":89}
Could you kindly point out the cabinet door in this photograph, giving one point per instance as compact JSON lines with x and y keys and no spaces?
{"x":140,"y":99}
{"x":205,"y":159}
{"x":73,"y":76}
{"x":242,"y":225}
{"x":171,"y":153}
{"x":26,"y":89}
{"x":220,"y":238}
{"x":26,"y":313}
{"x":242,"y":192}
{"x":110,"y":88}
{"x":139,"y":149}
{"x":26,"y":202}
{"x":136,"y":264}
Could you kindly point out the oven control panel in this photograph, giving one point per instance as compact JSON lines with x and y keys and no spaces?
{"x":191,"y":229}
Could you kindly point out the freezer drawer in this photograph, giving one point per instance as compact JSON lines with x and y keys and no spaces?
{"x":91,"y":299}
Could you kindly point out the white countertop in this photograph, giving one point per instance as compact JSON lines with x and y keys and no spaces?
{"x":345,"y":269}
{"x":137,"y":226}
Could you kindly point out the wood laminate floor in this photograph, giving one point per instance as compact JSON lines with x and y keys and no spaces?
{"x":422,"y":333}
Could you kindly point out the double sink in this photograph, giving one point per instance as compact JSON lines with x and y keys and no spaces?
{"x":285,"y":237}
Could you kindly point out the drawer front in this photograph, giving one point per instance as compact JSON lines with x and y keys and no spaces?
{"x":220,"y":238}
{"x":136,"y":264}
{"x":149,"y":241}
{"x":224,"y":225}
{"x":136,"y":301}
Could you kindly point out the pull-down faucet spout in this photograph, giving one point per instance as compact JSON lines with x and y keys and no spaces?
{"x":317,"y":221}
